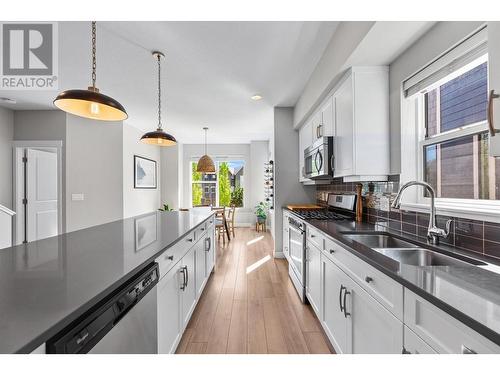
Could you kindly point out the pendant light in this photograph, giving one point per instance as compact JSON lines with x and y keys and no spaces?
{"x":205,"y":164}
{"x":158,"y":137}
{"x":91,"y":103}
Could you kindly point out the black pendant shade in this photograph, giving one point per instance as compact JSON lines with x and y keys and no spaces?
{"x":90,"y":104}
{"x":158,"y":138}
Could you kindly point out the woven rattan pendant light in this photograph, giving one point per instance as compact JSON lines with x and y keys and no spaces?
{"x":91,"y":103}
{"x":158,"y":137}
{"x":205,"y":164}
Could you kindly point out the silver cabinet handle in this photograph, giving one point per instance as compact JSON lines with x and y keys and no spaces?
{"x":493,"y":131}
{"x":170,"y":257}
{"x":368,"y":279}
{"x":466,"y":350}
{"x":340,"y":297}
{"x":187,"y":276}
{"x":346,"y":314}
{"x":332,"y":159}
{"x":183,"y":270}
{"x":332,"y":251}
{"x":208,"y":241}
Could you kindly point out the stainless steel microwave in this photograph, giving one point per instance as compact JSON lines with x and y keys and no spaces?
{"x":318,"y":159}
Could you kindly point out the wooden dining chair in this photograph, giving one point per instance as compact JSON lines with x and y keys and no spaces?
{"x":230,"y":218}
{"x":220,"y":223}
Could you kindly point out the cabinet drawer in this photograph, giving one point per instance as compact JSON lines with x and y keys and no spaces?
{"x":315,"y":237}
{"x":414,"y":344}
{"x":210,"y":222}
{"x":441,"y":331}
{"x":175,"y":253}
{"x":200,"y":231}
{"x":380,"y":286}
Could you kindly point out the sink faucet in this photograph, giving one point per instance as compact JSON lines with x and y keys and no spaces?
{"x":433,"y":232}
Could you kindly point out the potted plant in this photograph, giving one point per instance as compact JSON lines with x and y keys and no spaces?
{"x":261,"y":212}
{"x":165,"y":208}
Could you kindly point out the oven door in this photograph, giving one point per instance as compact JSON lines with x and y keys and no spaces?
{"x":297,"y":249}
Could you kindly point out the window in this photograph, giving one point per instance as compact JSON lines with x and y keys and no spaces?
{"x":224,"y":188}
{"x":454,"y":145}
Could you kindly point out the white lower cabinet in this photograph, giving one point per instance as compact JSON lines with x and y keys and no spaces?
{"x":201,"y":266}
{"x":371,"y":328}
{"x":353,"y":320}
{"x":180,"y":288}
{"x":313,"y":281}
{"x":169,"y":311}
{"x":209,"y":246}
{"x":332,"y":317}
{"x":442,"y":332}
{"x":414,"y":344}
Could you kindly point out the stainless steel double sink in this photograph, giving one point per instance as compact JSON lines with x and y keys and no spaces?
{"x":408,"y":253}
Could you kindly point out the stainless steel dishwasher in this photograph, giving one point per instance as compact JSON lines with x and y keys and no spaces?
{"x":125,"y":322}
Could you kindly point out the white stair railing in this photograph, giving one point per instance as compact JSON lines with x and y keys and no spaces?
{"x":6,"y":220}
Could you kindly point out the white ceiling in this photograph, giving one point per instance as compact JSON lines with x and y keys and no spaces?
{"x":211,"y":70}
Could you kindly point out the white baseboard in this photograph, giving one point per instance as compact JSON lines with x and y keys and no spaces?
{"x":279,"y":255}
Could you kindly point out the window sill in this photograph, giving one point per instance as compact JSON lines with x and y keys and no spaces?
{"x":488,"y":211}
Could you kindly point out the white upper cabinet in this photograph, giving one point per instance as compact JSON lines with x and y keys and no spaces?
{"x":361,"y":146}
{"x":305,"y":140}
{"x":494,"y":83}
{"x":356,"y":113}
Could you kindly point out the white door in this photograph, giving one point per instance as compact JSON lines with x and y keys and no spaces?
{"x":344,"y":130}
{"x":333,"y":319}
{"x":313,"y":278}
{"x":169,"y":311}
{"x":371,"y":328}
{"x":41,"y":194}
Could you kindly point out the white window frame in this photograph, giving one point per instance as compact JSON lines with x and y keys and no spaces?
{"x":413,"y":112}
{"x":217,"y":163}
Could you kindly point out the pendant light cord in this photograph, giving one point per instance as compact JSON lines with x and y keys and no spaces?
{"x":159,"y":91}
{"x":94,"y":64}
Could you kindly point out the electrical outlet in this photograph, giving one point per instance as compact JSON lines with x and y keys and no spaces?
{"x":384,"y":203}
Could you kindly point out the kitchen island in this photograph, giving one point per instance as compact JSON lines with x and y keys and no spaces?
{"x":47,"y":284}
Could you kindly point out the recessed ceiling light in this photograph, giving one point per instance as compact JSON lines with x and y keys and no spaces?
{"x":256,"y":97}
{"x":8,"y":100}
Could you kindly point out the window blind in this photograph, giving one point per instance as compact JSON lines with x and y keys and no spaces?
{"x":475,"y":46}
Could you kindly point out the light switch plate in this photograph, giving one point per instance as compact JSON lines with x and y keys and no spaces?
{"x":77,"y":197}
{"x":384,"y":203}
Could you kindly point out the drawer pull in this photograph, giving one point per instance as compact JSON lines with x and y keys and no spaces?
{"x":170,"y":257}
{"x":466,"y":350}
{"x":346,"y":314}
{"x":190,"y":240}
{"x":332,"y":251}
{"x":312,"y":236}
{"x":368,"y":279}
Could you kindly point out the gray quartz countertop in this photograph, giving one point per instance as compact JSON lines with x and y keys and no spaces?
{"x":469,"y":293}
{"x":46,"y":284}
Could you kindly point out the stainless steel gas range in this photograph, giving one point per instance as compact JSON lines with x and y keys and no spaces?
{"x":340,"y":207}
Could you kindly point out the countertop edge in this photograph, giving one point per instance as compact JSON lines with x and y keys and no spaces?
{"x":457,"y":314}
{"x":51,"y":331}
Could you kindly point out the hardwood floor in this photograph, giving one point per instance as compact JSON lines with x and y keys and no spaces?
{"x":250,"y":306}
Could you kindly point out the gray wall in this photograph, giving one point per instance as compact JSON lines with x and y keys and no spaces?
{"x":433,"y":43}
{"x":286,"y":158}
{"x":171,"y":175}
{"x":94,"y":167}
{"x":138,"y":201}
{"x":330,"y":67}
{"x":6,"y":137}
